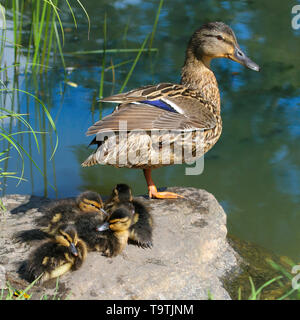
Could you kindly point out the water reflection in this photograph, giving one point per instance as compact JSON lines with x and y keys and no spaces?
{"x":254,"y":168}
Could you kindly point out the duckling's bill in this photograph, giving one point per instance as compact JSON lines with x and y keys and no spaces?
{"x":103,"y":227}
{"x":73,"y":249}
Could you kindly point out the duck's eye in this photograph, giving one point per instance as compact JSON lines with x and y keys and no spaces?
{"x":220,"y":37}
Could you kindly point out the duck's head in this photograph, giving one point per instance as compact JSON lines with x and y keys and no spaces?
{"x":90,"y":201}
{"x":67,"y":236}
{"x":119,"y":221}
{"x":122,"y":192}
{"x":217,"y":40}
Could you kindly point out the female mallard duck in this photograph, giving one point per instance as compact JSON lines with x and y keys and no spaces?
{"x":66,"y":252}
{"x":66,"y":211}
{"x":141,"y":228}
{"x":167,"y":114}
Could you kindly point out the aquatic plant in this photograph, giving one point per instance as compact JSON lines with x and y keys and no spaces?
{"x":46,"y":32}
{"x":283,"y":290}
{"x":38,"y":46}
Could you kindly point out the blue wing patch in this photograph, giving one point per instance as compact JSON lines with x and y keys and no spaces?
{"x":159,"y":104}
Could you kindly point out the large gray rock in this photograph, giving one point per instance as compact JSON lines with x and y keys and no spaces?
{"x":189,"y":259}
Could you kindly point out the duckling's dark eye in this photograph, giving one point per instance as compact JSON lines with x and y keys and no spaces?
{"x":220,"y":37}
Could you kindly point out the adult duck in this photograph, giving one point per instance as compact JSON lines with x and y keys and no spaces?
{"x":185,"y":115}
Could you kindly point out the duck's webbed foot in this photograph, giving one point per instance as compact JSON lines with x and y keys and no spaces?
{"x":153,"y":193}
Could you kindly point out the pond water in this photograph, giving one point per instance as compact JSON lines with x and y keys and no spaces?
{"x":253,"y":170}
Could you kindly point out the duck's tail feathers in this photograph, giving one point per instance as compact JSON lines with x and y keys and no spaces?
{"x":90,"y":161}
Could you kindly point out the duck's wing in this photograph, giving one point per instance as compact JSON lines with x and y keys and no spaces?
{"x":162,"y":107}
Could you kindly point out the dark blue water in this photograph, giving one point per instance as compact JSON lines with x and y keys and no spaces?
{"x":253,"y":170}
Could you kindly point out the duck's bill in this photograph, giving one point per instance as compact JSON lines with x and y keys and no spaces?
{"x":240,"y":57}
{"x":103,"y":227}
{"x":73,"y":249}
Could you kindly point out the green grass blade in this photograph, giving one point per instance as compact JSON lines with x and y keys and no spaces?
{"x":39,"y":34}
{"x":253,"y":291}
{"x":21,"y":296}
{"x":267,"y":284}
{"x":134,"y":64}
{"x":72,"y":13}
{"x":3,"y":16}
{"x":88,"y":18}
{"x":155,"y":23}
{"x":16,"y":146}
{"x":59,"y":46}
{"x":240,"y":293}
{"x":46,"y":112}
{"x":59,"y":21}
{"x":287,"y":294}
{"x":111,"y":51}
{"x":118,"y":65}
{"x":124,"y":38}
{"x":8,"y":67}
{"x":20,"y":118}
{"x":56,"y":289}
{"x":277,"y":267}
{"x":103,"y":58}
{"x":46,"y":34}
{"x":3,"y":159}
{"x":50,"y":39}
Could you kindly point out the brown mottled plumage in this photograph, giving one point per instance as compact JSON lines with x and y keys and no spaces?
{"x":186,"y":114}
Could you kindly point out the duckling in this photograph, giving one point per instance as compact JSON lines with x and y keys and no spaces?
{"x":141,"y":229}
{"x":66,"y":252}
{"x":62,"y":212}
{"x":65,"y":211}
{"x":86,"y":225}
{"x":113,"y":234}
{"x":120,"y":196}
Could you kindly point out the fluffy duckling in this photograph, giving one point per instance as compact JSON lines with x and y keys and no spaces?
{"x":66,"y":252}
{"x":86,"y":225}
{"x":66,"y":211}
{"x":120,"y":196}
{"x":141,"y":229}
{"x":113,"y":234}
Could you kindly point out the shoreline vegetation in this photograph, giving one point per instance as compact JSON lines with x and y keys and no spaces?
{"x":33,"y":37}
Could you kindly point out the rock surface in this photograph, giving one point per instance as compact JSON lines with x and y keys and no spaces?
{"x":189,"y":259}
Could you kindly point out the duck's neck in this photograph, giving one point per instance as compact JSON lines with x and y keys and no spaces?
{"x":196,"y":74}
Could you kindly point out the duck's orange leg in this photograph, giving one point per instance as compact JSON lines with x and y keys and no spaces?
{"x":153,"y":193}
